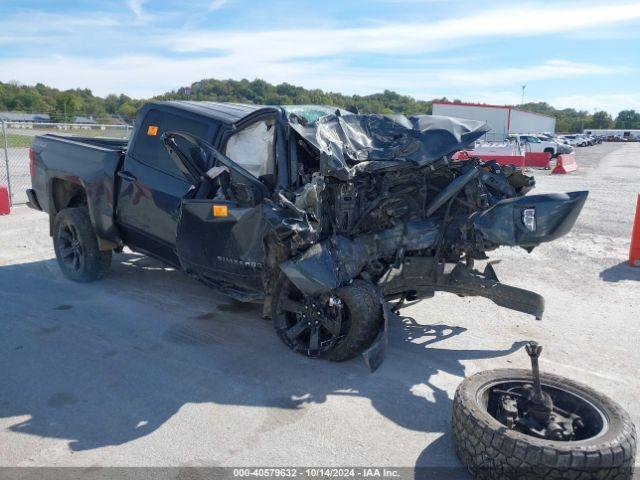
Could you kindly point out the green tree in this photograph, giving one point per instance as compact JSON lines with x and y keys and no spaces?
{"x":628,"y":119}
{"x":601,"y":120}
{"x":127,"y":110}
{"x":66,"y":106}
{"x":63,"y":105}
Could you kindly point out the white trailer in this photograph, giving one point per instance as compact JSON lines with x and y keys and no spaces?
{"x":502,"y":119}
{"x":613,"y":132}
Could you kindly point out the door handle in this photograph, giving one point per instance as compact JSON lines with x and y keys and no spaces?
{"x":127,"y":176}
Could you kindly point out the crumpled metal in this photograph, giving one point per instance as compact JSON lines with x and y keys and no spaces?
{"x":352,"y":144}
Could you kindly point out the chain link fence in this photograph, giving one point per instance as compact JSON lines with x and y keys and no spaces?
{"x":16,"y":139}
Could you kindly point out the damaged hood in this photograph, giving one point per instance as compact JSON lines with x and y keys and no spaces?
{"x":350,"y":144}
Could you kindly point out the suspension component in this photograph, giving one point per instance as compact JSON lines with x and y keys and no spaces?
{"x":534,"y":350}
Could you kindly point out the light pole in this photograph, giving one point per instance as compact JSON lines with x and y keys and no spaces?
{"x":522,"y":99}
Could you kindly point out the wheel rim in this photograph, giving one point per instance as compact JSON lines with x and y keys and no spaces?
{"x":310,"y":325}
{"x":593,"y":420}
{"x":71,"y":251}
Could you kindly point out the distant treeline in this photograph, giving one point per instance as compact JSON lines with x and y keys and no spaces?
{"x":63,"y":105}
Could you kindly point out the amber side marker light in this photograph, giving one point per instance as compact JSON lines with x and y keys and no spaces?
{"x":152,"y":130}
{"x":220,"y":211}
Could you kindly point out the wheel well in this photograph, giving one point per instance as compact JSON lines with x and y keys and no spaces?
{"x":67,"y":194}
{"x":549,"y":149}
{"x":64,"y":194}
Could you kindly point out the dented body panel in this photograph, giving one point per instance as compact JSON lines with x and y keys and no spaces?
{"x":342,"y":197}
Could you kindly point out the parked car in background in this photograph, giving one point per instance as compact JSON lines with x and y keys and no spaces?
{"x":561,"y":147}
{"x":588,"y":139}
{"x":575,"y":141}
{"x":531,"y":142}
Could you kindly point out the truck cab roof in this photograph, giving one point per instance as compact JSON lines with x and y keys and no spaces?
{"x":228,"y":113}
{"x":233,"y":113}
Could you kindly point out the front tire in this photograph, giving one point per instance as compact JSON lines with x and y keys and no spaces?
{"x":338,"y":326}
{"x":76,"y":246}
{"x":489,"y":449}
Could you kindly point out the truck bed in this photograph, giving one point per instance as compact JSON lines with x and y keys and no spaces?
{"x":88,"y":162}
{"x":102,"y":142}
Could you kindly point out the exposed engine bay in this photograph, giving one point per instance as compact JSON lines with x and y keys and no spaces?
{"x":368,"y":198}
{"x":384,"y":189}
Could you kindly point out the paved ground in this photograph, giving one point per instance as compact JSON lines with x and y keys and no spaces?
{"x":150,"y":368}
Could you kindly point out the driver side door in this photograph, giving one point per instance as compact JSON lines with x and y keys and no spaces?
{"x":220,"y":237}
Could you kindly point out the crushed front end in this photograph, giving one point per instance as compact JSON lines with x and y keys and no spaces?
{"x":380,"y":199}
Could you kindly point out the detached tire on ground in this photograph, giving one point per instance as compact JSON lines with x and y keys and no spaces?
{"x":76,"y":246}
{"x":490,"y":450}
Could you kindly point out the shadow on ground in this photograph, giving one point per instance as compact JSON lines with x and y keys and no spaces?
{"x":107,"y":363}
{"x":619,"y":272}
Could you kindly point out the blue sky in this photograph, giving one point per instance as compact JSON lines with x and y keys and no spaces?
{"x":581,"y":54}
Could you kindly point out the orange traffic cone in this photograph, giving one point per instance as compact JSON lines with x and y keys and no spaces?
{"x":634,"y":251}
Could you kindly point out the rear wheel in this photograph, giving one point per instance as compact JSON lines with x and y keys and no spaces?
{"x":76,"y":246}
{"x":338,"y":325}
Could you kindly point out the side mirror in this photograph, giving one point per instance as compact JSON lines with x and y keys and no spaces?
{"x":269,"y":180}
{"x":245,"y":194}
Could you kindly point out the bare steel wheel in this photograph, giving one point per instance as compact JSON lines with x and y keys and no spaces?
{"x":338,"y":325}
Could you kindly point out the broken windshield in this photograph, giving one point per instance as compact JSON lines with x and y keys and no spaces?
{"x":311,"y":113}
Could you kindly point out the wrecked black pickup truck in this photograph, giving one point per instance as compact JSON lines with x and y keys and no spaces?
{"x":322,"y":215}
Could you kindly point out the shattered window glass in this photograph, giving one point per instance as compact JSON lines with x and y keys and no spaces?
{"x":311,"y":113}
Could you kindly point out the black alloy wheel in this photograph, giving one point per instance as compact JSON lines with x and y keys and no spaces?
{"x":338,"y":325}
{"x":76,"y":246}
{"x":71,"y":251}
{"x":309,"y":325}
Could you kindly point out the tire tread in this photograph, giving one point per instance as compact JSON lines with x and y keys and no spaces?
{"x":97,"y":262}
{"x":489,"y":450}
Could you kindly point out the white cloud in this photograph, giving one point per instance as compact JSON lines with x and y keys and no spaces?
{"x":477,"y":77}
{"x":407,"y":38}
{"x":32,"y":26}
{"x":217,"y":4}
{"x":145,"y":76}
{"x":136,"y":6}
{"x":315,"y":57}
{"x":611,"y":103}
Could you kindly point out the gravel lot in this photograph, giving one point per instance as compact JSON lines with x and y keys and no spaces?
{"x":151,"y":368}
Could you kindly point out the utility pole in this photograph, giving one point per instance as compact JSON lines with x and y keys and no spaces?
{"x":522,"y":99}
